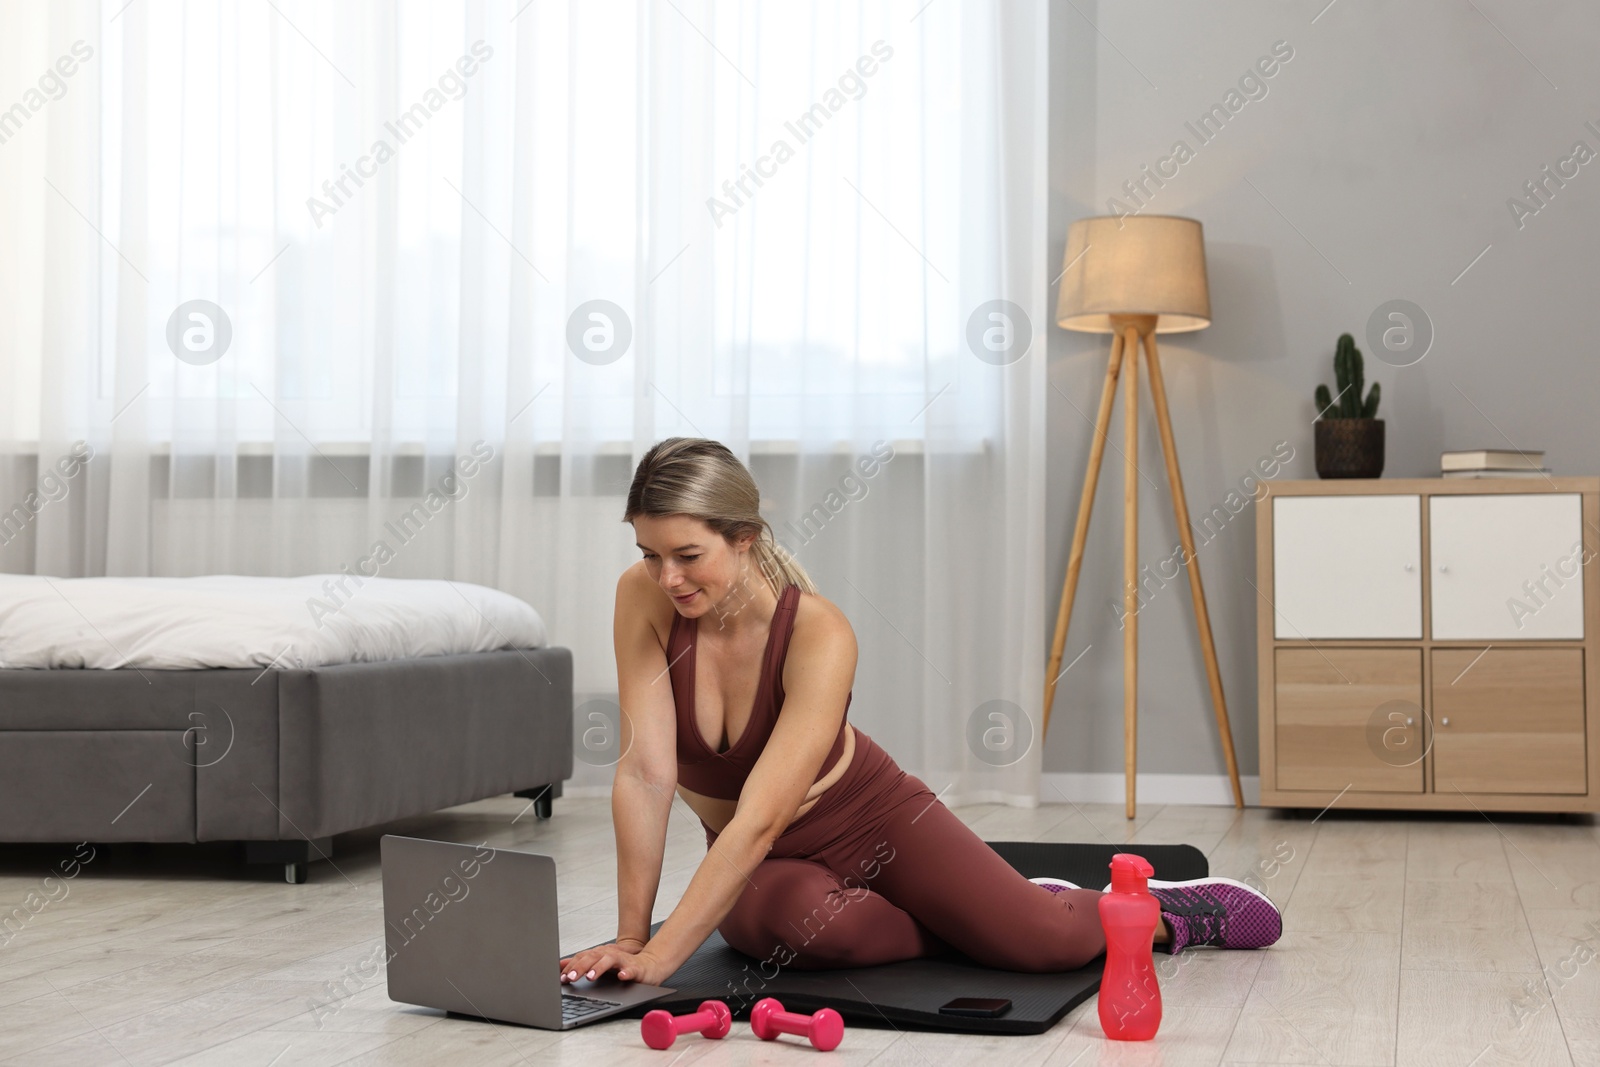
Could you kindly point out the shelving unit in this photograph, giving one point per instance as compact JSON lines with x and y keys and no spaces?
{"x":1425,"y":643}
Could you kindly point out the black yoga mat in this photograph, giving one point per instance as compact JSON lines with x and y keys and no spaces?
{"x":907,"y":995}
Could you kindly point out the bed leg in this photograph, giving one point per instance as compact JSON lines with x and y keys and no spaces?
{"x":543,"y":797}
{"x":295,"y":856}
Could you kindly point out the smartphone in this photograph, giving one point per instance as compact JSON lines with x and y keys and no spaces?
{"x":978,"y":1007}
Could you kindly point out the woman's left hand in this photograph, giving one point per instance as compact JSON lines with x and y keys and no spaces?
{"x":644,"y":967}
{"x":632,"y":965}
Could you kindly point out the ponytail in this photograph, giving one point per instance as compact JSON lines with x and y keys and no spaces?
{"x":777,"y":564}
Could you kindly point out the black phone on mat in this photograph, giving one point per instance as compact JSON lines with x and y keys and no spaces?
{"x":976,"y":1007}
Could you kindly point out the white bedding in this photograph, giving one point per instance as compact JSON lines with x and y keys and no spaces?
{"x":234,"y":621}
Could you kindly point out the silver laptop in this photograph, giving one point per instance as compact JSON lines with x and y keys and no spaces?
{"x":472,"y":929}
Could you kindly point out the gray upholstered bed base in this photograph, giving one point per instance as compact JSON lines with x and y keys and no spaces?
{"x":281,"y":759}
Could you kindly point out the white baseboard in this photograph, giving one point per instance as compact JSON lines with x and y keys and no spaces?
{"x":1097,"y":788}
{"x":1103,"y":788}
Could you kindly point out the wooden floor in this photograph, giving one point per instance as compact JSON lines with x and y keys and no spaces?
{"x":1411,"y":941}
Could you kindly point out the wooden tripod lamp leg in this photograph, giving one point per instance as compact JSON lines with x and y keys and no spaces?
{"x":1130,"y":563}
{"x":1158,"y":395}
{"x":1097,"y":449}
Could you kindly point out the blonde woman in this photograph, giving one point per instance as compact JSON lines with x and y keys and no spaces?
{"x":735,"y":679}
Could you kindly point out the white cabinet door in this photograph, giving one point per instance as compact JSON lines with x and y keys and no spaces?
{"x":1347,"y":566}
{"x":1506,"y":567}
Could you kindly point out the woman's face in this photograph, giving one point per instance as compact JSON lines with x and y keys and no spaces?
{"x":694,"y":565}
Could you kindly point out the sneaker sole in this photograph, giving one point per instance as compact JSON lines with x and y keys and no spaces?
{"x":1158,"y":883}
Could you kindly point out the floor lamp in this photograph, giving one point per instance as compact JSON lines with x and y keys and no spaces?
{"x":1133,"y":277}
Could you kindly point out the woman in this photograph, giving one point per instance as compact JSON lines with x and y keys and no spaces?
{"x":735,"y":680}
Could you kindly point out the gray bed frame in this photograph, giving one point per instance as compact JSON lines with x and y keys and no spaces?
{"x":279,"y":760}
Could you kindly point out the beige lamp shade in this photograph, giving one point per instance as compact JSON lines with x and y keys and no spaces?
{"x":1134,"y":265}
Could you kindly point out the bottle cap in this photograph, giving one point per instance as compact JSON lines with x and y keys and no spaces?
{"x":1128,"y":873}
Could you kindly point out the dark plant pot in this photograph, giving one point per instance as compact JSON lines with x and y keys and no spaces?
{"x":1349,"y":448}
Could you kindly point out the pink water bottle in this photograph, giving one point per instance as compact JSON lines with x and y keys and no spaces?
{"x":1130,"y":1000}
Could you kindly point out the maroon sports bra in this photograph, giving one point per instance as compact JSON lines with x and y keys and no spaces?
{"x":722,"y":774}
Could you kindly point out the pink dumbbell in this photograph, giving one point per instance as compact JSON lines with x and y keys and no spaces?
{"x":661,"y":1028}
{"x":825,"y":1029}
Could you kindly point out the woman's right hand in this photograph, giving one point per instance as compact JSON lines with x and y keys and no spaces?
{"x":594,"y":962}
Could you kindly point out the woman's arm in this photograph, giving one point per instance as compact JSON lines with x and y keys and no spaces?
{"x":818,"y":674}
{"x":639,"y":810}
{"x":647,"y":772}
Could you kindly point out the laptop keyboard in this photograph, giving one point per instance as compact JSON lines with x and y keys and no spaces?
{"x":576,"y":1007}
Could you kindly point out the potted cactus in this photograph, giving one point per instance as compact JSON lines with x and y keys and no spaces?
{"x":1349,"y":438}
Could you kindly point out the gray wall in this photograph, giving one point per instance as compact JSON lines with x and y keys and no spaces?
{"x":1377,"y":166}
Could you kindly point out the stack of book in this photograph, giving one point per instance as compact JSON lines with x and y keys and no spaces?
{"x":1494,"y":463}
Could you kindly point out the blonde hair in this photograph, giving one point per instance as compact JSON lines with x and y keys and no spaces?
{"x":700,"y":478}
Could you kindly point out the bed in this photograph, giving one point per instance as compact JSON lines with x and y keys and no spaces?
{"x":271,"y":712}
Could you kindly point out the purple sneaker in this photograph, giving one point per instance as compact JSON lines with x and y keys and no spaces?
{"x":1216,"y":911}
{"x":1055,"y":885}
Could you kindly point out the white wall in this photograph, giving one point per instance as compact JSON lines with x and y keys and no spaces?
{"x":1377,"y":166}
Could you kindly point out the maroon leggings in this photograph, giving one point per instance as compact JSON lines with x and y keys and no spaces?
{"x":879,"y":870}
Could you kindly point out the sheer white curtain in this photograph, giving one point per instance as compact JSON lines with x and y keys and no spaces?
{"x":472,"y":259}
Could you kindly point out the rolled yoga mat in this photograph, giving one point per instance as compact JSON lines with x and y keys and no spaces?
{"x":908,"y":994}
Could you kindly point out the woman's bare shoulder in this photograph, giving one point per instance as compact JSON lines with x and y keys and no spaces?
{"x":817,"y":615}
{"x":638,"y":595}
